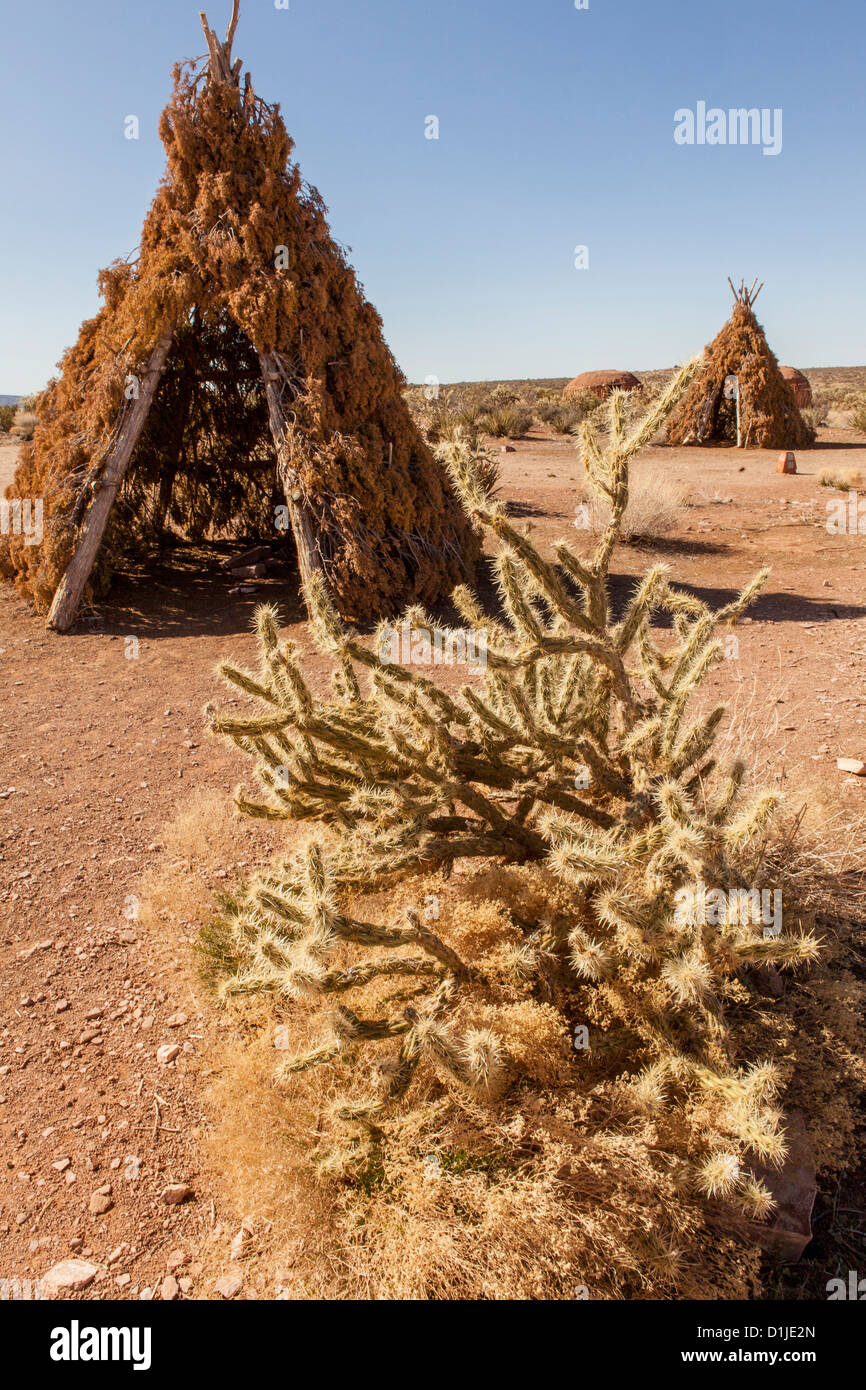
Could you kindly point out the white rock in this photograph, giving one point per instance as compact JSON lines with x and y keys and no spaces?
{"x":70,"y":1274}
{"x":229,"y":1285}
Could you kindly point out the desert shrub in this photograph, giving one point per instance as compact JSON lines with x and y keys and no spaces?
{"x":441,"y":414}
{"x":507,"y":421}
{"x":814,"y":416}
{"x":566,"y":415}
{"x":840,"y":478}
{"x":858,"y":418}
{"x":834,"y":395}
{"x":586,"y":402}
{"x":23,"y":424}
{"x":502,"y":396}
{"x":7,"y":415}
{"x":654,"y":509}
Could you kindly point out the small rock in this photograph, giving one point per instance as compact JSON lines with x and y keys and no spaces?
{"x":99,"y":1204}
{"x":70,"y":1274}
{"x":282,"y":1038}
{"x":249,"y":572}
{"x":176,"y":1193}
{"x":121,"y":1280}
{"x":76,"y":1243}
{"x":175,"y":1259}
{"x":61,"y":1164}
{"x":240,"y":1242}
{"x":229,"y":1285}
{"x":177,"y":1020}
{"x":853,"y":765}
{"x":166,"y":1054}
{"x":168,"y":1289}
{"x":185,"y":1284}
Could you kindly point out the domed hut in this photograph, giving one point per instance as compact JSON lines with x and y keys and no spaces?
{"x":799,"y":384}
{"x":602,"y":383}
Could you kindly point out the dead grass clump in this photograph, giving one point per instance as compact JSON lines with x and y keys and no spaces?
{"x":840,"y":478}
{"x":559,"y":1189}
{"x":185,"y":887}
{"x":655,"y":508}
{"x":507,"y":422}
{"x":23,"y":424}
{"x":558,"y":1192}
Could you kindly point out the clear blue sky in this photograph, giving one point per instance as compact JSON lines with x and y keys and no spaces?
{"x":556,"y":129}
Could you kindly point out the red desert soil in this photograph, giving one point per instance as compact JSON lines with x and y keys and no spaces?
{"x":101,"y":750}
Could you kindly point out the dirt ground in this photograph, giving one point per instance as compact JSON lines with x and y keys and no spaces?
{"x":103,"y":742}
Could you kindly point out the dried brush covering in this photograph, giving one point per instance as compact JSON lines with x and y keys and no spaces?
{"x":210,"y":269}
{"x":452,"y":1042}
{"x":769,"y":415}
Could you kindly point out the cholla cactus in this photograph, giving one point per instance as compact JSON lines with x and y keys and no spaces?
{"x":573,"y":748}
{"x":286,"y":936}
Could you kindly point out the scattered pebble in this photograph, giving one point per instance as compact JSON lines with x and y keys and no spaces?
{"x":176,"y":1193}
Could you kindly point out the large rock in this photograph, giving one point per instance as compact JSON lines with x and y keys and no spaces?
{"x":788,"y":1230}
{"x":69,"y":1276}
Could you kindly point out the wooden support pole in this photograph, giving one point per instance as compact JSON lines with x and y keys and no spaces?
{"x":68,"y":596}
{"x":300,"y":516}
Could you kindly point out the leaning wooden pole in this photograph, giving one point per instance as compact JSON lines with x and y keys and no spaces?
{"x":300,"y":516}
{"x":64,"y":606}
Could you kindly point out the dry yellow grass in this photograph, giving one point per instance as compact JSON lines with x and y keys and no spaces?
{"x":841,"y":478}
{"x":561,"y":1191}
{"x":655,"y":508}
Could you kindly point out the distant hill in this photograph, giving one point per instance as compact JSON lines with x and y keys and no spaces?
{"x":9,"y":400}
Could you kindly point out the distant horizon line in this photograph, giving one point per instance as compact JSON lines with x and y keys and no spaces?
{"x":10,"y":398}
